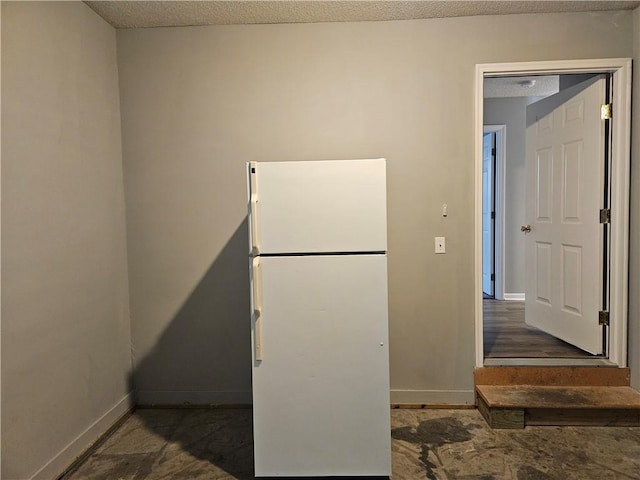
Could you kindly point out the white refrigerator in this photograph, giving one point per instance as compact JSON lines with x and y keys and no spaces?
{"x":319,"y":327}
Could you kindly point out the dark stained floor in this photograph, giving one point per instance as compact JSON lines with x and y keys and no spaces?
{"x":204,"y":444}
{"x":506,"y":335}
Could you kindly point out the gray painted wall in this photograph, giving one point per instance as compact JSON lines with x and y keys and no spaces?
{"x":567,"y":81}
{"x":65,"y":321}
{"x":512,"y":112}
{"x":198,"y":102}
{"x":634,"y":243}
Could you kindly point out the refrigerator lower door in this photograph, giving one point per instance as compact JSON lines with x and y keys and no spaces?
{"x":321,"y":390}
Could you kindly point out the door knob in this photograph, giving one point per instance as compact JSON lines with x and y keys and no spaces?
{"x":525,"y":228}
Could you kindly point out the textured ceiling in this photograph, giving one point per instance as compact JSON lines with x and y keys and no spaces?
{"x":543,"y":86}
{"x":128,"y":14}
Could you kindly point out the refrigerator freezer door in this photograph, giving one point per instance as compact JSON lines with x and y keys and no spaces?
{"x":320,"y":206}
{"x":321,"y":391}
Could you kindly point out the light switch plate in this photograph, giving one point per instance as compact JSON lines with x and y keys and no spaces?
{"x":440,"y":248}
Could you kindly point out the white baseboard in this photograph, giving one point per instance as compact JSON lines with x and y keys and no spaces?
{"x":519,"y":297}
{"x":68,"y":454}
{"x":162,"y":397}
{"x":433,"y":397}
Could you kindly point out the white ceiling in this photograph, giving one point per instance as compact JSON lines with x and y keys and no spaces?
{"x":544,"y":85}
{"x":135,"y":14}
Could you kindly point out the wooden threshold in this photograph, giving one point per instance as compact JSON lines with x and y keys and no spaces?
{"x":548,"y":362}
{"x":434,"y":406}
{"x":553,"y":376}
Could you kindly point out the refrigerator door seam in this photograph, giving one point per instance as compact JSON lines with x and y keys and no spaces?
{"x":320,"y":254}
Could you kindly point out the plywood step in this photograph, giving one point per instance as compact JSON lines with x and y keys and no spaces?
{"x":515,"y":406}
{"x":553,"y":376}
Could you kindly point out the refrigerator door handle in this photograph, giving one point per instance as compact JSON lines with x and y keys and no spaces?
{"x":257,"y":309}
{"x":253,"y":209}
{"x":255,"y":248}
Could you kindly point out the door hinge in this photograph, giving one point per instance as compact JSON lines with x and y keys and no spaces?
{"x":605,"y":111}
{"x":493,"y":152}
{"x":603,"y":318}
{"x":493,"y":277}
{"x":493,"y":215}
{"x":605,"y":215}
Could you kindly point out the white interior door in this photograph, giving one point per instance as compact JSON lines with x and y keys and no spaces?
{"x":487,"y":217}
{"x":565,"y":191}
{"x":321,"y":390}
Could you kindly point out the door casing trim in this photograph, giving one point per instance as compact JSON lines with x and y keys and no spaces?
{"x":620,"y":182}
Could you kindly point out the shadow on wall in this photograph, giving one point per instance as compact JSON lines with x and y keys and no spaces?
{"x":207,"y":343}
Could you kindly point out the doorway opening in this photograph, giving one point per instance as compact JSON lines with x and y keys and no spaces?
{"x":507,"y":333}
{"x":488,"y":214}
{"x":493,"y":187}
{"x":539,"y":284}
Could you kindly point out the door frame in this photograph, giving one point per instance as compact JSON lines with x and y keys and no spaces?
{"x":499,"y":206}
{"x":620,"y":183}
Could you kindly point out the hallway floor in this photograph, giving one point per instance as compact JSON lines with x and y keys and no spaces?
{"x":507,"y":335}
{"x":198,"y":444}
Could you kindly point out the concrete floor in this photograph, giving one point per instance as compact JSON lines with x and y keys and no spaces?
{"x":427,"y":444}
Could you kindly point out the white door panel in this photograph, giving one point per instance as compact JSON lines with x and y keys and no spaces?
{"x":321,"y":391}
{"x":565,"y":168}
{"x":320,"y":206}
